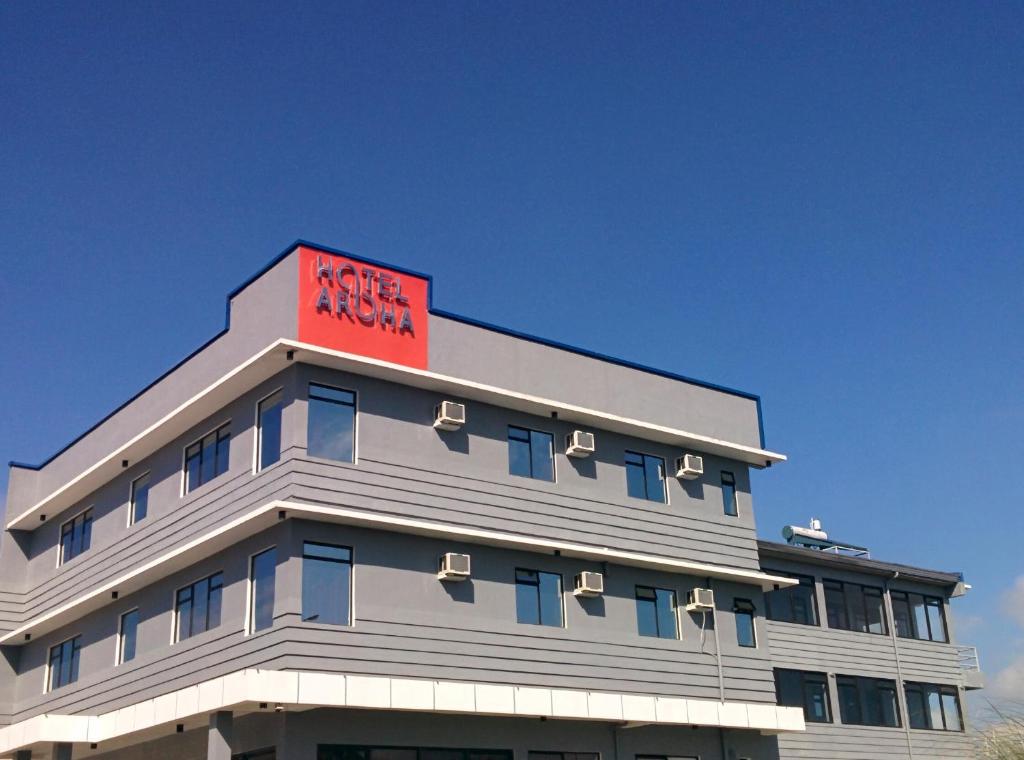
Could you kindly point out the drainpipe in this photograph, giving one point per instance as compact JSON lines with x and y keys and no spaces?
{"x":900,"y":702}
{"x":718,"y":646}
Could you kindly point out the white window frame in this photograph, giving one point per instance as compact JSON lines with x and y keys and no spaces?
{"x":250,"y":597}
{"x":184,"y":460}
{"x":60,"y":532}
{"x":258,"y":442}
{"x":119,"y":643}
{"x":131,"y":496}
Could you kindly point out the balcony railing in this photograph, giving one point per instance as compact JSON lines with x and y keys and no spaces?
{"x":968,"y":657}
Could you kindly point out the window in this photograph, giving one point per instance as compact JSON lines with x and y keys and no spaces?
{"x":645,"y":476}
{"x":916,"y":616}
{"x":126,"y":636}
{"x":326,"y":583}
{"x":75,"y":536}
{"x":138,"y":502}
{"x":729,"y":494}
{"x":798,"y":688}
{"x":197,"y":607}
{"x":262,"y":570}
{"x":562,"y":756}
{"x":868,"y":701}
{"x":207,"y":458}
{"x":343,"y":752}
{"x":538,"y":597}
{"x":852,"y":607}
{"x":793,"y":604}
{"x":743,"y":609}
{"x":268,"y":430}
{"x":530,"y":454}
{"x":934,"y":707}
{"x":330,"y":431}
{"x":656,"y":612}
{"x":63,"y":665}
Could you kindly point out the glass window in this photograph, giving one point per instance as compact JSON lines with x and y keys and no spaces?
{"x":935,"y":707}
{"x":75,"y":536}
{"x":207,"y":458}
{"x":798,"y":688}
{"x":645,"y":477}
{"x":139,"y":501}
{"x":63,"y":665}
{"x":538,"y":597}
{"x":562,"y":756}
{"x":127,"y":634}
{"x":656,"y":612}
{"x":530,"y":454}
{"x":746,"y":635}
{"x":345,"y":752}
{"x":729,"y":494}
{"x":326,"y":583}
{"x":197,"y":607}
{"x":918,"y":617}
{"x":868,"y":701}
{"x":268,"y":430}
{"x":852,"y":607}
{"x":793,"y":604}
{"x":330,"y":431}
{"x":261,"y":595}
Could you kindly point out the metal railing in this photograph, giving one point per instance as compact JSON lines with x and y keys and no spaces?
{"x":968,"y":658}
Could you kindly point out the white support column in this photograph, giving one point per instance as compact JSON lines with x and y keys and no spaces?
{"x":218,"y":746}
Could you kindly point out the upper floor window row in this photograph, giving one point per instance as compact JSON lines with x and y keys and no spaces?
{"x":934,"y":707}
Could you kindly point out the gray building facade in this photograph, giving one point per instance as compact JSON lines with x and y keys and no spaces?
{"x":353,"y":526}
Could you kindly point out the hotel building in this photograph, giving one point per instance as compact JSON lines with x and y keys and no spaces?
{"x":353,"y":526}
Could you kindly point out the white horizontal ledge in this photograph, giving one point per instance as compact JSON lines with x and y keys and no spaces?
{"x":273,"y":359}
{"x":244,"y":690}
{"x":265,"y":516}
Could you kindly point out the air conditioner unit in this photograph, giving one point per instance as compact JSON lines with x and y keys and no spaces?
{"x":700,"y":600}
{"x":588,"y":584}
{"x":453,"y":567}
{"x":449,"y":415}
{"x":689,"y":467}
{"x":579,"y":444}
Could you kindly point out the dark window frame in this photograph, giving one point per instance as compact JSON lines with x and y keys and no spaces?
{"x":863,"y":686}
{"x":853,"y":603}
{"x":353,"y":404}
{"x":351,"y":562}
{"x":55,"y":677}
{"x":941,"y":690}
{"x":221,"y":460}
{"x":807,"y":677}
{"x":342,"y":751}
{"x":133,"y":498}
{"x":738,"y":610}
{"x":214,"y":583}
{"x":927,"y":601}
{"x":527,"y":437}
{"x":676,"y":628}
{"x":805,"y":581}
{"x":78,"y":535}
{"x":121,"y":648}
{"x":252,"y":623}
{"x":730,"y":507}
{"x":643,"y":465}
{"x":260,"y":464}
{"x":539,"y":600}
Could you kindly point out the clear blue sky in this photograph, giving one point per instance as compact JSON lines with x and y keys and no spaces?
{"x":817,"y":202}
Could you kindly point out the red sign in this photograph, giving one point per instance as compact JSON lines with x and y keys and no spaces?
{"x":362,"y":309}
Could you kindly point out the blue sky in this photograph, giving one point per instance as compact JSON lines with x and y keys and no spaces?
{"x":817,"y":202}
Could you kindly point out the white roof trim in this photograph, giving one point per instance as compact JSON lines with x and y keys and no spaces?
{"x":265,"y":516}
{"x":244,"y":690}
{"x":272,"y":359}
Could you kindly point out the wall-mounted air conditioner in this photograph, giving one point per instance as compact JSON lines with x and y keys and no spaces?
{"x":579,"y":444}
{"x":588,"y":584}
{"x":700,"y":600}
{"x":453,"y":567}
{"x":689,"y":467}
{"x":449,"y":415}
